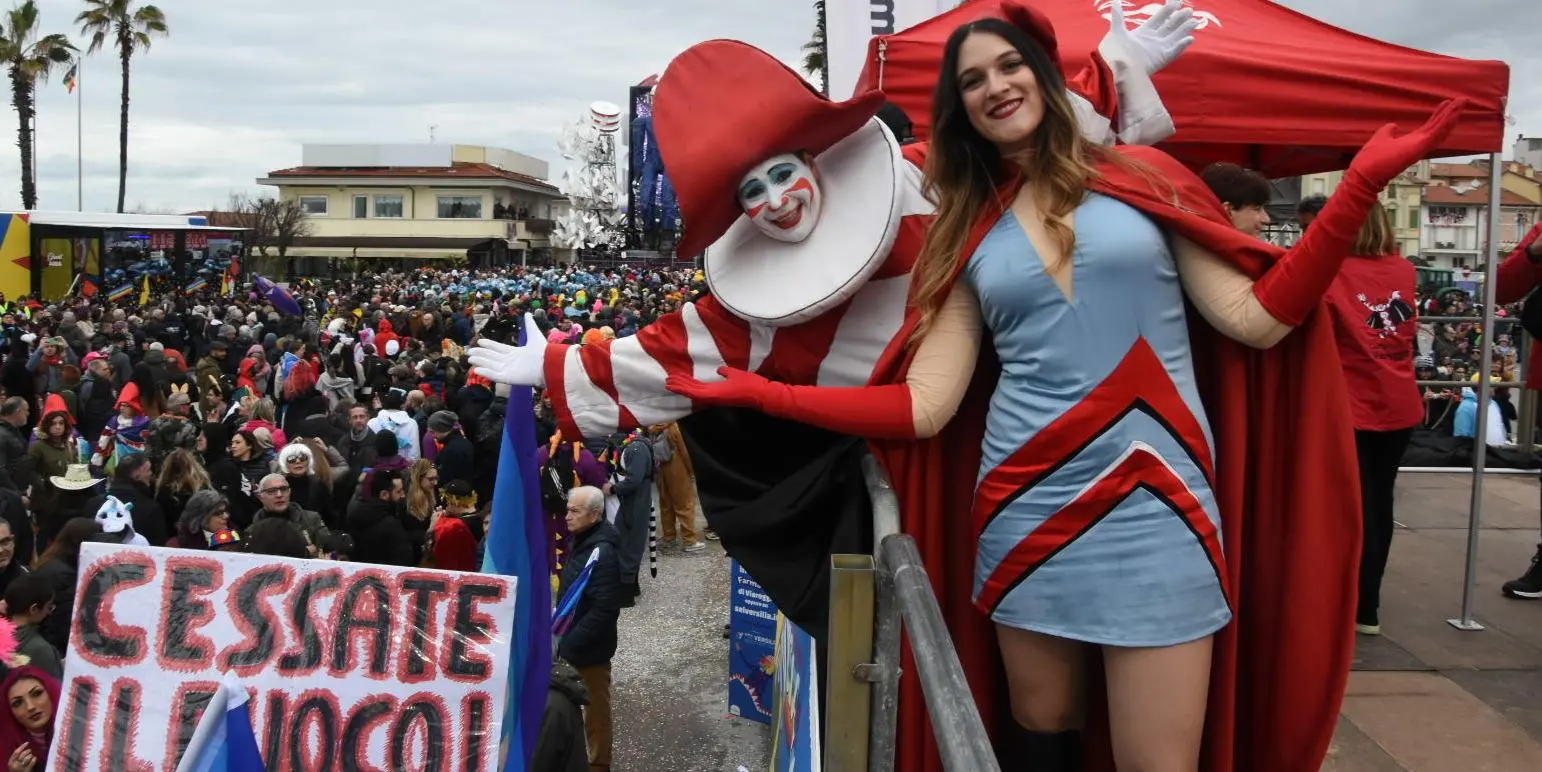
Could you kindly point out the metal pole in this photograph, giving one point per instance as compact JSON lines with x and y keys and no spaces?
{"x":963,"y":743}
{"x":1485,"y":392}
{"x":884,"y":735}
{"x":1461,"y":470}
{"x":80,"y":164}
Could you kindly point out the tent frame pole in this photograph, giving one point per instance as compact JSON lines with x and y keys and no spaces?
{"x":1485,"y":395}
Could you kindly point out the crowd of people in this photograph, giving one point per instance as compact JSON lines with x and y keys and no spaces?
{"x":355,"y":431}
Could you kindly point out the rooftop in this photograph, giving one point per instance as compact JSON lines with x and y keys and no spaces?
{"x":1449,"y":196}
{"x":456,"y":170}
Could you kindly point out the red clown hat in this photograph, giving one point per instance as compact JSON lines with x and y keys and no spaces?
{"x":723,"y":106}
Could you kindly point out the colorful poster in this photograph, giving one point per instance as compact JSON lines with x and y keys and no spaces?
{"x":350,"y":665}
{"x":752,"y":648}
{"x":795,"y":747}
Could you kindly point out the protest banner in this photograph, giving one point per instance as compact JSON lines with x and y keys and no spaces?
{"x":350,"y":666}
{"x":752,"y":647}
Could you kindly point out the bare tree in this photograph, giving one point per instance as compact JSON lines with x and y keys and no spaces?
{"x":273,"y":226}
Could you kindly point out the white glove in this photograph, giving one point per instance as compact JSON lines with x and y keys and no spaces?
{"x":1158,"y":42}
{"x":515,"y":365}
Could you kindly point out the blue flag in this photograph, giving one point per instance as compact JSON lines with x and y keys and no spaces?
{"x":516,"y":546}
{"x":223,"y":741}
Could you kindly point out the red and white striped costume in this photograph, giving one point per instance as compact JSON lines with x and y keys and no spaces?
{"x":598,"y":390}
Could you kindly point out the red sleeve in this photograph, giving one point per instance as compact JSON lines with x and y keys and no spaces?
{"x":1517,"y":274}
{"x":1095,"y":82}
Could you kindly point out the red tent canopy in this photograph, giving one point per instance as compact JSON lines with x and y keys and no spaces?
{"x":1263,"y":86}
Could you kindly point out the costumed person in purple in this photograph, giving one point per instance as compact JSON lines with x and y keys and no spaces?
{"x":810,"y":218}
{"x":124,"y":433}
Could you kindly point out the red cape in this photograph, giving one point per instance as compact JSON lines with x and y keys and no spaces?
{"x":1287,"y":485}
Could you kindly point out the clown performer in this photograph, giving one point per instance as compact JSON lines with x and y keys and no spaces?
{"x":124,"y":433}
{"x":1145,"y":475}
{"x":810,"y":224}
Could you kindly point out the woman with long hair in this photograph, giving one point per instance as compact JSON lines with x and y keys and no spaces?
{"x":1374,"y":313}
{"x":1098,"y":503}
{"x":181,"y":476}
{"x":61,"y":564}
{"x":27,"y":729}
{"x":422,"y":500}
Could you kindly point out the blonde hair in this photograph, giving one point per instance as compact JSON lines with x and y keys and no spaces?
{"x":420,"y":500}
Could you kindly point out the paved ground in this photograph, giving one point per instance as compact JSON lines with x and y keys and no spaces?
{"x":1425,"y":697}
{"x":670,"y":674}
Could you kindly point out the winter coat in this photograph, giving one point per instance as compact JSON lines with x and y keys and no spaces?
{"x":15,"y":465}
{"x":378,"y":534}
{"x":456,"y":459}
{"x":335,"y":388}
{"x":41,"y":653}
{"x":560,"y":745}
{"x":309,"y":523}
{"x":592,"y":638}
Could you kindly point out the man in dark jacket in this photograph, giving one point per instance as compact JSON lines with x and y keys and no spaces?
{"x":376,"y":524}
{"x":560,"y":747}
{"x":590,"y":642}
{"x":15,"y":467}
{"x":456,"y":459}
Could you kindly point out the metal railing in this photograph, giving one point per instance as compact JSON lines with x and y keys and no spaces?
{"x":901,"y":598}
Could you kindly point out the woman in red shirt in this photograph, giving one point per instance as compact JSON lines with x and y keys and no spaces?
{"x":1374,"y":308}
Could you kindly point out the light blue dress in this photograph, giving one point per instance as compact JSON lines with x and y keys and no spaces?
{"x":1095,"y":512}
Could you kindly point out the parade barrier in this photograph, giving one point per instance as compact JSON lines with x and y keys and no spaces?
{"x":871,"y":599}
{"x":349,"y":665}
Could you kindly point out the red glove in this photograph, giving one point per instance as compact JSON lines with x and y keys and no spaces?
{"x":1295,"y":284}
{"x":864,"y":411}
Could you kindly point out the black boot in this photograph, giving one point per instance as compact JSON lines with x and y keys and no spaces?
{"x":1529,"y":586}
{"x":1042,"y":751}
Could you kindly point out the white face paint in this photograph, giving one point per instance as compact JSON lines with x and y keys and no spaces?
{"x":782,"y":197}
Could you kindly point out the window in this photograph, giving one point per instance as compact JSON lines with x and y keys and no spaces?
{"x":388,"y":206}
{"x":360,"y":207}
{"x":316,"y":206}
{"x":1413,"y":218}
{"x":460,"y":207}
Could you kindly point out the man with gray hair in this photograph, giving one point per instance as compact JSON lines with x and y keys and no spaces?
{"x":273,"y":493}
{"x":590,"y":642}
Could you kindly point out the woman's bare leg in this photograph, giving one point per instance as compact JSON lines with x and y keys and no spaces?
{"x":1046,"y":677}
{"x":1156,"y":705}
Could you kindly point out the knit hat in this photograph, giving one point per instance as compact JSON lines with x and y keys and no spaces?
{"x":442,"y":421}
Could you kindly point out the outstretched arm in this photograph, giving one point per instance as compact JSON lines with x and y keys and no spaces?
{"x":920,"y":407}
{"x":1261,"y":313}
{"x":599,"y":390}
{"x":1114,"y":97}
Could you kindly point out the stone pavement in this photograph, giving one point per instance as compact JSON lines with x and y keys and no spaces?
{"x":1426,"y":697}
{"x":669,"y":676}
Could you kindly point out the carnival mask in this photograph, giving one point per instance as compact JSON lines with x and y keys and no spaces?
{"x":782,"y":197}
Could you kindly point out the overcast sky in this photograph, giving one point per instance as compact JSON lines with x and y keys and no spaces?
{"x":237,"y":87}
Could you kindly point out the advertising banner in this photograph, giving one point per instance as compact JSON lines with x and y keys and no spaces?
{"x":349,"y":665}
{"x":752,"y":648}
{"x":796,"y":745}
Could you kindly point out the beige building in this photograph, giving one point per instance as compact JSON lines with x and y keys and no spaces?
{"x":463,"y":203}
{"x":1402,"y":199}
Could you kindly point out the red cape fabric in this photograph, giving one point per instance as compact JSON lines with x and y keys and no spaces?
{"x":1287,"y":485}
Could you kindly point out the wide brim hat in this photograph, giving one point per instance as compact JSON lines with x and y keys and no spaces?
{"x":780,"y":283}
{"x":76,"y":477}
{"x":724,"y":106}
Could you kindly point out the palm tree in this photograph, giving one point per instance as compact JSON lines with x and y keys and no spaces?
{"x":129,"y":28}
{"x":29,"y":59}
{"x":814,"y":49}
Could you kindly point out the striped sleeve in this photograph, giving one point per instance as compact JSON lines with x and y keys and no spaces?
{"x":597,"y":390}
